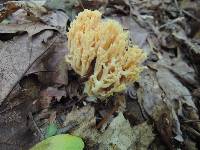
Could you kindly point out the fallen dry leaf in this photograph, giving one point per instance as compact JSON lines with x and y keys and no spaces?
{"x":16,"y":56}
{"x":120,"y":135}
{"x":52,"y":69}
{"x":138,"y":35}
{"x":31,"y":28}
{"x":143,"y":136}
{"x":55,"y":92}
{"x":85,"y":122}
{"x":34,"y":9}
{"x":167,"y":93}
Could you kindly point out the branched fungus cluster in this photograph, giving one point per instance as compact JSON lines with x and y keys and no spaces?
{"x":102,"y":46}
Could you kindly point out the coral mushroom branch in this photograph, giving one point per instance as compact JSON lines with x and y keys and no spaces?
{"x":105,"y":43}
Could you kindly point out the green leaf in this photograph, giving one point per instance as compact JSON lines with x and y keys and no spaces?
{"x":60,"y":142}
{"x":51,"y":130}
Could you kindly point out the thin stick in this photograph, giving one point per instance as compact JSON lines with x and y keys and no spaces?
{"x":80,"y":1}
{"x":114,"y":109}
{"x":192,"y":16}
{"x":35,"y":125}
{"x":179,"y":19}
{"x":106,"y":118}
{"x":191,"y":121}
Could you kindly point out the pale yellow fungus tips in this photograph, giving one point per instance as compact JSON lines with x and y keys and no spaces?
{"x":102,"y":44}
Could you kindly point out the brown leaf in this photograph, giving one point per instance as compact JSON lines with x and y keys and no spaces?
{"x":85,"y":121}
{"x":196,"y":92}
{"x":55,"y":92}
{"x":120,"y":135}
{"x":34,"y":9}
{"x":48,"y":94}
{"x":163,"y":121}
{"x":45,"y":99}
{"x":52,"y":69}
{"x":31,"y":28}
{"x":16,"y":57}
{"x":173,"y":88}
{"x":8,"y":9}
{"x":20,"y":54}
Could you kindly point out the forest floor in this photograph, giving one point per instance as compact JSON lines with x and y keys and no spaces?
{"x":41,"y":95}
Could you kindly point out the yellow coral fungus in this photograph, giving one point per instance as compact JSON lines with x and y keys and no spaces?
{"x":104,"y":43}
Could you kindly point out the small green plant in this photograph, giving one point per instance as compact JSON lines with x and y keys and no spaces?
{"x":51,"y":130}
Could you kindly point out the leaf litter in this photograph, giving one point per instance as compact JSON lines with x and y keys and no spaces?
{"x":160,"y":110}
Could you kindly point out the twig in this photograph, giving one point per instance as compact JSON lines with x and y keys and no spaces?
{"x":178,"y":8}
{"x":191,"y":131}
{"x":191,"y":121}
{"x":35,"y":125}
{"x":114,"y":109}
{"x":192,"y":16}
{"x":80,"y":1}
{"x":106,"y":118}
{"x":179,"y":19}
